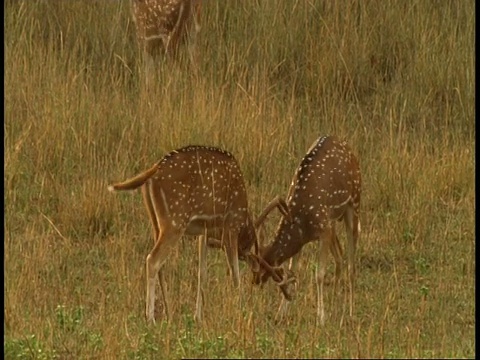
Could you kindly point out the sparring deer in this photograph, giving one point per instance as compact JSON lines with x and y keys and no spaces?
{"x":197,"y":190}
{"x":162,"y":26}
{"x":326,"y":188}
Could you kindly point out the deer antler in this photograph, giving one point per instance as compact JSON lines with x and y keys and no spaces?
{"x":282,"y":207}
{"x":281,"y":282}
{"x":288,"y":278}
{"x":276,"y":202}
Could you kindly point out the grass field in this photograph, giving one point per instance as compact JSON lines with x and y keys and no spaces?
{"x":394,"y":78}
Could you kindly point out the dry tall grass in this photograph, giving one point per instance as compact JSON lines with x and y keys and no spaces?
{"x":395,"y":78}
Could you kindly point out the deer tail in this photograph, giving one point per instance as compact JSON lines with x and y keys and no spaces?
{"x":134,"y":182}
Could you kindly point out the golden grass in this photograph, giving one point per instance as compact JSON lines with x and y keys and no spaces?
{"x":395,"y":78}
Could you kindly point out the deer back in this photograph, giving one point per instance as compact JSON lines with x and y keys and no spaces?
{"x":325,"y":184}
{"x":203,"y":188}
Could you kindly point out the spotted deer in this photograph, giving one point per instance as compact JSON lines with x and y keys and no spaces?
{"x":197,"y":190}
{"x":162,"y":26}
{"x":326,"y":188}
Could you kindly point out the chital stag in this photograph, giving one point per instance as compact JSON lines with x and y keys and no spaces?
{"x":326,"y":188}
{"x":164,"y":25}
{"x":196,"y":190}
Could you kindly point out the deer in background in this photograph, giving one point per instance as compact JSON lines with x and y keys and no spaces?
{"x":198,"y":190}
{"x":162,"y":26}
{"x":326,"y":188}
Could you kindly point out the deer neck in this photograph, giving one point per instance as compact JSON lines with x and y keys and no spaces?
{"x":288,"y":242}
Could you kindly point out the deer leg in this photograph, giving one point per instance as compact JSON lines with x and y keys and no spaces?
{"x":149,"y":68}
{"x":192,"y":47}
{"x":192,"y":44}
{"x":352,"y":225}
{"x":337,"y":252}
{"x":320,"y":277}
{"x":202,"y":271}
{"x":163,"y":289}
{"x":282,"y":309}
{"x":147,"y":200}
{"x":231,"y":250}
{"x":155,"y":260}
